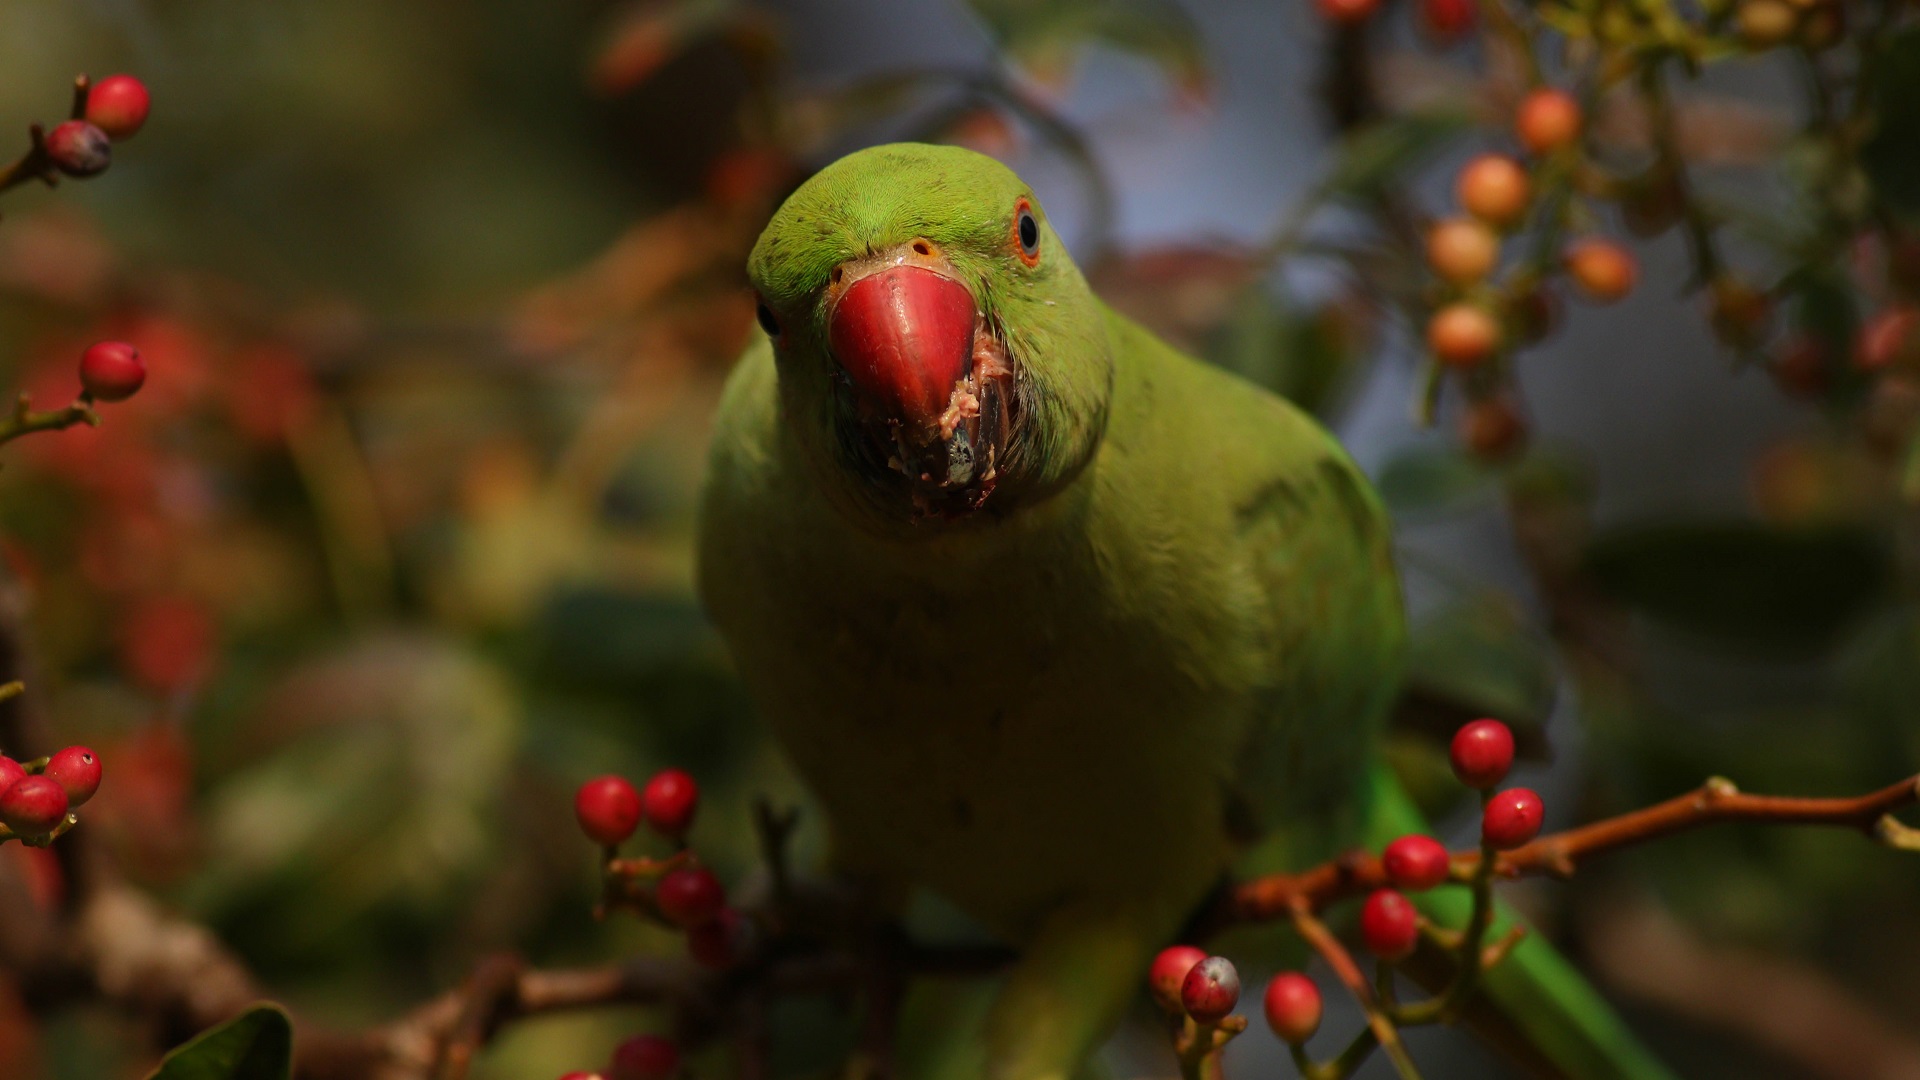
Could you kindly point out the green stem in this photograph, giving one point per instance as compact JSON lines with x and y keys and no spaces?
{"x":25,"y":421}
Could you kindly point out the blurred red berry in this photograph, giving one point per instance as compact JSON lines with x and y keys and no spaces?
{"x":1495,"y":189}
{"x":77,"y":148}
{"x":33,"y":805}
{"x":644,"y":1057}
{"x":1493,"y":429}
{"x":690,"y":895}
{"x":577,"y":1075}
{"x":1512,"y":818}
{"x":1388,"y":925}
{"x":1210,"y":990}
{"x":1463,"y":335}
{"x":1169,"y":972}
{"x":1886,"y":338}
{"x":77,"y":770}
{"x":1347,"y":12}
{"x":167,"y":643}
{"x":1416,"y":862}
{"x":1446,"y":21}
{"x":111,"y":371}
{"x":1800,"y":368}
{"x":717,"y":942}
{"x":118,"y":105}
{"x":1482,"y":752}
{"x":1602,"y":270}
{"x":669,"y":801}
{"x":10,"y":771}
{"x":607,"y":808}
{"x":1547,"y":120}
{"x":1292,"y":1004}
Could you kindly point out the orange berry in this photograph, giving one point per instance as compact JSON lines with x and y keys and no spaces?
{"x":1603,"y":270}
{"x":1463,"y":335}
{"x":1547,"y":120}
{"x":1495,"y":189}
{"x":1463,"y":250}
{"x":1766,"y":23}
{"x":1348,"y":12}
{"x":1887,"y":338}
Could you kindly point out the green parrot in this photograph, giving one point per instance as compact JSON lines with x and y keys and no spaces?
{"x":1054,"y":621}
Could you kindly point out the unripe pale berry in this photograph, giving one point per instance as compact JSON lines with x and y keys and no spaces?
{"x":1348,"y":12}
{"x":690,"y":895}
{"x":77,"y":770}
{"x":1481,"y":753}
{"x":607,"y":808}
{"x":1493,"y":429}
{"x":77,"y":148}
{"x":1169,"y":972}
{"x":1463,"y":335}
{"x":1512,"y":818}
{"x":644,"y":1057}
{"x":1389,"y":925}
{"x":1210,"y":990}
{"x":1601,"y":269}
{"x":716,"y":943}
{"x":10,"y":771}
{"x":1463,"y":250}
{"x":112,"y":371}
{"x":669,"y":801}
{"x":33,"y":805}
{"x":1886,"y":338}
{"x":118,"y":105}
{"x":1293,"y":1007}
{"x":1547,"y":120}
{"x":1495,"y":189}
{"x":1415,"y":862}
{"x":1446,"y":21}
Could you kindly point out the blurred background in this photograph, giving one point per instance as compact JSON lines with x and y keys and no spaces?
{"x":394,"y":548}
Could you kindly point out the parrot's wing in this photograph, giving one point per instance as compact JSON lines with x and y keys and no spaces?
{"x":1533,"y":1005}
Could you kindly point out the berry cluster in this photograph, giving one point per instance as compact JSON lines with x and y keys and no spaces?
{"x":675,"y":890}
{"x":37,"y":798}
{"x":1199,"y":992}
{"x":111,"y":110}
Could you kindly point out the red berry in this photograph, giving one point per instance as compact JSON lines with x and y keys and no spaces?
{"x":77,"y":148}
{"x":1801,"y":368}
{"x":1348,"y":12}
{"x":1169,"y":972}
{"x":608,"y":809}
{"x":10,"y":771}
{"x":577,"y":1075}
{"x":111,"y":371}
{"x":1494,"y":189}
{"x":1446,"y":20}
{"x":1210,"y":990}
{"x":717,"y":943}
{"x":1389,"y":925}
{"x":1463,"y":335}
{"x":1416,"y":862}
{"x":77,"y":770}
{"x":1482,"y":753}
{"x":670,"y":799}
{"x":1493,"y":429}
{"x":1547,"y":120}
{"x":1293,"y":1006}
{"x":33,"y":805}
{"x":644,"y":1057}
{"x":1511,"y":818}
{"x":118,"y":105}
{"x":1887,"y":337}
{"x":690,"y":895}
{"x":1602,"y":269}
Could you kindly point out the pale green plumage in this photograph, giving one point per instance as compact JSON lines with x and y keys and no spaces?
{"x":1174,"y":626}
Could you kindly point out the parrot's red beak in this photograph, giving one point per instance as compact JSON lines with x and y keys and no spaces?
{"x":904,"y":335}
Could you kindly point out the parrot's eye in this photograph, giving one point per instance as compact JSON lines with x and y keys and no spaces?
{"x":1026,"y":232}
{"x":765,"y":315}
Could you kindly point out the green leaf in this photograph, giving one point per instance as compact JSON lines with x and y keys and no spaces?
{"x":1431,"y":479}
{"x":1746,"y":586}
{"x":1481,"y":656}
{"x":256,"y":1045}
{"x":1044,"y":34}
{"x":1892,"y":156}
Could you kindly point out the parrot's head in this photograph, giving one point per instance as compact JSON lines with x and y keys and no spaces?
{"x":940,"y":357}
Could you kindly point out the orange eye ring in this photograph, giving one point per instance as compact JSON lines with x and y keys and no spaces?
{"x":1026,"y":232}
